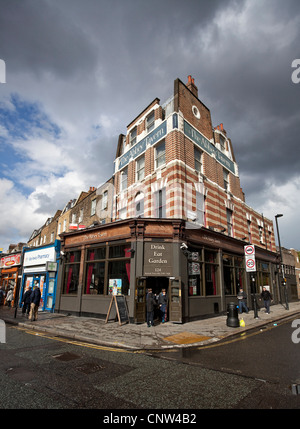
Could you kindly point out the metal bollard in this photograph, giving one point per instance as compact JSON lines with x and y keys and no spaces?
{"x":232,"y":315}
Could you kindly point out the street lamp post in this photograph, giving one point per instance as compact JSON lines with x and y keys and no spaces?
{"x":282,"y":266}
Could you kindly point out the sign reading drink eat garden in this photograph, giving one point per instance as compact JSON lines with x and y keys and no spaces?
{"x":158,"y":259}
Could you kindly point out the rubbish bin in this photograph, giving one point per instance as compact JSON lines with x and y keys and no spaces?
{"x":232,"y":315}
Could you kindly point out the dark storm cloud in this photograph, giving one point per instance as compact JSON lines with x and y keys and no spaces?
{"x":93,"y":65}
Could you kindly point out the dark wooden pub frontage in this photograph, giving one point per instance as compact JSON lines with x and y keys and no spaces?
{"x":202,"y":270}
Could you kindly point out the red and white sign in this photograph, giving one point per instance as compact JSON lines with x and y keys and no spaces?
{"x":249,"y":250}
{"x":250,"y":258}
{"x":250,"y":264}
{"x":9,"y":261}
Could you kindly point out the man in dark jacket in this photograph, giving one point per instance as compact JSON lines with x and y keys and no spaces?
{"x":267,"y":297}
{"x":150,"y":303}
{"x":35,"y":298}
{"x":26,"y":302}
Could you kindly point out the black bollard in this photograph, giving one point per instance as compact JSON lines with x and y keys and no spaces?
{"x":232,"y":315}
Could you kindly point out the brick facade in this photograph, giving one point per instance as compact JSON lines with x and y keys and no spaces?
{"x":187,"y":128}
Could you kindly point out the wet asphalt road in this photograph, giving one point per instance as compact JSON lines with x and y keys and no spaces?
{"x":267,"y":354}
{"x":254,"y":371}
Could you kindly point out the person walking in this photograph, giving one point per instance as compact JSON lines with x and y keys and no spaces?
{"x":150,"y":303}
{"x":267,"y":297}
{"x":35,"y":298}
{"x":26,"y":302}
{"x":163,"y":302}
{"x":242,"y":299}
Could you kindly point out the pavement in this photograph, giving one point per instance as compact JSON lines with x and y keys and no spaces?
{"x":133,"y":336}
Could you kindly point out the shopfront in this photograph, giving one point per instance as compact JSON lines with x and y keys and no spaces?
{"x":130,"y":256}
{"x":10,"y":271}
{"x":40,"y":267}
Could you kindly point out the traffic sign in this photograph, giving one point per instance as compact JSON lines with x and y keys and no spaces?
{"x":249,"y":250}
{"x":250,"y":264}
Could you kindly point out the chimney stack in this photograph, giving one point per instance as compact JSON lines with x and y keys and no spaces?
{"x":191,"y":85}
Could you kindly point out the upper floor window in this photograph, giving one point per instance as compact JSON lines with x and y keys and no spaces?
{"x":132,"y":136}
{"x":226,"y":180}
{"x":150,"y":121}
{"x":124,"y":176}
{"x":140,"y":168}
{"x":198,"y":160}
{"x":93,"y":207}
{"x":160,"y":155}
{"x":222,"y":143}
{"x":229,"y":222}
{"x":139,"y":204}
{"x":80,"y":215}
{"x":104,"y":200}
{"x":160,"y":203}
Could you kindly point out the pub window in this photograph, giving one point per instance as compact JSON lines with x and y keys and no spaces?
{"x":211,"y":273}
{"x":119,"y":268}
{"x":95,"y":269}
{"x":71,"y":272}
{"x":195,"y":273}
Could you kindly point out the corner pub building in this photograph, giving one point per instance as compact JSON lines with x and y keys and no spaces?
{"x":179,"y":222}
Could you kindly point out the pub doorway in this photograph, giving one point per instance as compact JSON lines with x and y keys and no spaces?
{"x":157,"y":284}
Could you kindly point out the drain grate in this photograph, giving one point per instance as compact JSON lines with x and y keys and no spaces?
{"x":89,"y":368}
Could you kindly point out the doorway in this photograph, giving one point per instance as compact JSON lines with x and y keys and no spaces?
{"x":157,"y":284}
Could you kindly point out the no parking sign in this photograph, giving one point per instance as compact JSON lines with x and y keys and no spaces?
{"x":250,"y":258}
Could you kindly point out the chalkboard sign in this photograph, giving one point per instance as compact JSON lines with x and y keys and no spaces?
{"x":121,"y":307}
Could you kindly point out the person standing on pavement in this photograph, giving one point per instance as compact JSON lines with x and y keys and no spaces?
{"x":9,"y":297}
{"x":150,"y":302}
{"x":163,"y":302}
{"x":267,"y":297}
{"x":26,"y":302}
{"x":242,"y":299}
{"x":35,"y":298}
